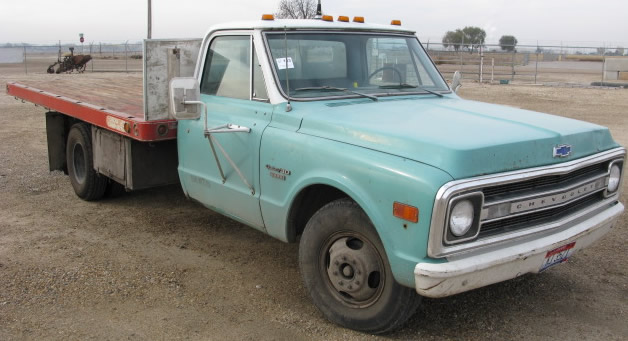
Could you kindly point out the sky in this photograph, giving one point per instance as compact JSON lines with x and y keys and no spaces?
{"x":548,"y":22}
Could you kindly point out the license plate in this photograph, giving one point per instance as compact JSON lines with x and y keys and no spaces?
{"x":557,"y":256}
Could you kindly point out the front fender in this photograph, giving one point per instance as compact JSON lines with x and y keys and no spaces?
{"x":373,"y":179}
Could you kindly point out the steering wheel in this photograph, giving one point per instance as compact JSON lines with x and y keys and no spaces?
{"x":382,"y":69}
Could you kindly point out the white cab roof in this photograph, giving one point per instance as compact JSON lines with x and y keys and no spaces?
{"x":292,"y":24}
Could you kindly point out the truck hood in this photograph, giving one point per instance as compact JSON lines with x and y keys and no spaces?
{"x":463,"y":138}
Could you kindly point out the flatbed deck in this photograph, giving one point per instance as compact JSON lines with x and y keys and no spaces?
{"x":114,"y":104}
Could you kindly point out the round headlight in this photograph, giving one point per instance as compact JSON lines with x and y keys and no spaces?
{"x":461,"y":218}
{"x":613,"y":180}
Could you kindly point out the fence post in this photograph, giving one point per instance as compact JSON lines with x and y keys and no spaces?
{"x":492,"y":69}
{"x":481,"y":64}
{"x":512,"y":78}
{"x":25,"y":63}
{"x":536,"y":67}
{"x":603,"y":66}
{"x":126,"y":59}
{"x":460,"y":54}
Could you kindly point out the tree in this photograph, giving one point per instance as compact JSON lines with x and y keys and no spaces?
{"x":474,"y":36}
{"x":508,"y":43}
{"x":453,"y":38}
{"x":468,"y":36}
{"x":296,"y":9}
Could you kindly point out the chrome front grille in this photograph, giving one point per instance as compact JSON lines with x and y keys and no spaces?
{"x":527,"y":203}
{"x":494,"y":192}
{"x":523,"y":203}
{"x":538,"y":217}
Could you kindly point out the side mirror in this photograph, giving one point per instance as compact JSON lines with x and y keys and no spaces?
{"x":455,"y":82}
{"x":185,"y":98}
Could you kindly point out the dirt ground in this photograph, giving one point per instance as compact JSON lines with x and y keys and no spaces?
{"x":153,"y":265}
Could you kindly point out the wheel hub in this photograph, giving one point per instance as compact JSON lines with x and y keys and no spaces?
{"x":78,"y":161}
{"x":354,"y":269}
{"x":347,"y":271}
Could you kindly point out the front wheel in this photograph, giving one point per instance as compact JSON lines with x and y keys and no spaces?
{"x":346,"y":271}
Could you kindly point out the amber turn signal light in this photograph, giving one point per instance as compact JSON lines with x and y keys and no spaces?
{"x":396,"y":22}
{"x":343,"y":18}
{"x":406,"y":212}
{"x":327,"y":18}
{"x":358,"y":19}
{"x":268,"y":17}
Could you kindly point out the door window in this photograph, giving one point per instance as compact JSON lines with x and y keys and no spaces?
{"x":227,"y":67}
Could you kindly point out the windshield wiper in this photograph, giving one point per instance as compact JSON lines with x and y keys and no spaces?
{"x":409,"y":86}
{"x":337,"y":89}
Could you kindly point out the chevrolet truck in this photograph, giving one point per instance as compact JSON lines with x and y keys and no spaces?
{"x":342,"y":136}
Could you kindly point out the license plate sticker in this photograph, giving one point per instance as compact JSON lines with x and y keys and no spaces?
{"x":557,"y":256}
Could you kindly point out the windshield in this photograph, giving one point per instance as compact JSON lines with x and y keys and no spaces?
{"x":350,"y":64}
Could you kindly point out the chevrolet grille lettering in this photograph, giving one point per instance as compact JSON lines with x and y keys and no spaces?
{"x":555,"y":199}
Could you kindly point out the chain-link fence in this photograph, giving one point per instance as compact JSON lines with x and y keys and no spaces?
{"x":526,"y":63}
{"x":488,"y":63}
{"x":15,"y":59}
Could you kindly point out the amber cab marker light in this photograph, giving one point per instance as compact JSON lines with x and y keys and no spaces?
{"x":406,"y":212}
{"x":358,"y":19}
{"x":268,"y":17}
{"x":396,"y":22}
{"x":327,"y":18}
{"x":343,"y":18}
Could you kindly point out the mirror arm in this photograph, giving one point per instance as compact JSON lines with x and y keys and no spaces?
{"x":201,"y":103}
{"x":213,"y":141}
{"x":211,"y":144}
{"x":227,"y":128}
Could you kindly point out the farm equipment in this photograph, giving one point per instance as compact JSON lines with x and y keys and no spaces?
{"x":70,"y":63}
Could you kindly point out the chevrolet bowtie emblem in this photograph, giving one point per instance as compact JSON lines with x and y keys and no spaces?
{"x":562,"y":150}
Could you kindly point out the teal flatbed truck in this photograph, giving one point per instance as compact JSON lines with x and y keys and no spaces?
{"x":344,"y":136}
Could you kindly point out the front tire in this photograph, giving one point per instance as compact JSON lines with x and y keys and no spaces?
{"x":347,"y":274}
{"x":87,"y":183}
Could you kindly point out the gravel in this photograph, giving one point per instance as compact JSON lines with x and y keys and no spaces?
{"x":153,"y":265}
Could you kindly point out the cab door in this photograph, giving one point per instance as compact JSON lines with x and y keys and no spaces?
{"x":219,"y":153}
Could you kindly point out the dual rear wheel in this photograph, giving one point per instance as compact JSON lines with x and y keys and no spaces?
{"x":87,"y":183}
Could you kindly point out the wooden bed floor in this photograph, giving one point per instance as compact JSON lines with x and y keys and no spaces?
{"x":122,"y":93}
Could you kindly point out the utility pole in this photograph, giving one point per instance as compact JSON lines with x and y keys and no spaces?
{"x":150,"y":19}
{"x":319,"y":12}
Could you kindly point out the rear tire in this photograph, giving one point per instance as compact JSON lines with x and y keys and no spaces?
{"x":87,"y":183}
{"x":347,"y":274}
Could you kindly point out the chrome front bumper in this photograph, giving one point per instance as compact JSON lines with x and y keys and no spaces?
{"x":465,"y":273}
